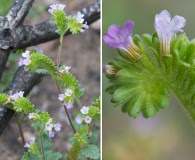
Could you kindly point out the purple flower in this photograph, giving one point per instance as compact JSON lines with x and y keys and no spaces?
{"x":87,"y":119}
{"x":166,"y":28}
{"x":17,"y":95}
{"x":26,"y":60}
{"x":80,"y":20}
{"x":78,"y":119}
{"x":51,"y":134}
{"x":56,"y":7}
{"x":57,"y":127}
{"x":69,"y":105}
{"x":61,"y":97}
{"x":84,"y":110}
{"x":120,"y":38}
{"x":29,"y":143}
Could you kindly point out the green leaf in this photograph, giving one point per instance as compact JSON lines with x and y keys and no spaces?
{"x":53,"y":156}
{"x":42,"y":71}
{"x":90,"y":151}
{"x":23,"y":105}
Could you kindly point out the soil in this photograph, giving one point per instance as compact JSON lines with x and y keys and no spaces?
{"x":82,"y":53}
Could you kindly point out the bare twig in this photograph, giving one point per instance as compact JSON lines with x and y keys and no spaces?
{"x":45,"y":31}
{"x":18,"y":12}
{"x":23,"y":81}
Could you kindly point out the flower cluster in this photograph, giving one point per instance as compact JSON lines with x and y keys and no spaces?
{"x":166,"y":28}
{"x":25,"y":60}
{"x":75,"y":24}
{"x":79,"y":118}
{"x":67,"y":98}
{"x":17,"y":95}
{"x":54,"y":7}
{"x":50,"y":127}
{"x":80,"y":20}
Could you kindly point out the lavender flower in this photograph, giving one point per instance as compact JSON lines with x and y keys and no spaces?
{"x":78,"y":119}
{"x":87,"y":119}
{"x":56,"y":7}
{"x":84,"y":110}
{"x":80,"y":20}
{"x":17,"y":95}
{"x":57,"y":127}
{"x":31,"y":115}
{"x":120,"y":38}
{"x":26,"y":60}
{"x":166,"y":28}
{"x":51,"y":134}
{"x":69,"y":105}
{"x":61,"y":97}
{"x":29,"y":143}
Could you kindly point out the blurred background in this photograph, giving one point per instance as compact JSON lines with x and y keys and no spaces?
{"x":168,"y":136}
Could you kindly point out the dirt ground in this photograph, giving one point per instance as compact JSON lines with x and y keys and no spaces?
{"x":82,"y":53}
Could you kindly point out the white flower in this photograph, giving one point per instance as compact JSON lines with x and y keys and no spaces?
{"x":68,"y":92}
{"x":84,"y":110}
{"x":49,"y":125}
{"x":88,"y":119}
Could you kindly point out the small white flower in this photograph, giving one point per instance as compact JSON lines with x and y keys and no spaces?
{"x":88,"y":119}
{"x":84,"y":110}
{"x":31,"y":115}
{"x":68,"y":92}
{"x":26,"y":54}
{"x":67,"y":68}
{"x":49,"y":125}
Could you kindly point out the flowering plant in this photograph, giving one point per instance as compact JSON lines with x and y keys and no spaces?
{"x":142,"y":79}
{"x":45,"y":126}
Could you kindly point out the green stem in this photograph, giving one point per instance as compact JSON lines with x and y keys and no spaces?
{"x":42,"y":148}
{"x":59,"y":50}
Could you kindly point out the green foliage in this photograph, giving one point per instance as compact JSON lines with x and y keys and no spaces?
{"x":74,"y":151}
{"x":97,"y":102}
{"x":5,"y":6}
{"x":90,"y":151}
{"x":94,"y":112}
{"x":3,"y":98}
{"x":59,"y":18}
{"x":144,"y":86}
{"x":23,"y":105}
{"x":68,"y":80}
{"x":40,"y":60}
{"x":74,"y":26}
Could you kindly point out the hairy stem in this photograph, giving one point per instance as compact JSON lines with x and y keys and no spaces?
{"x":59,"y":51}
{"x":69,"y":119}
{"x":21,"y":133}
{"x":42,"y":148}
